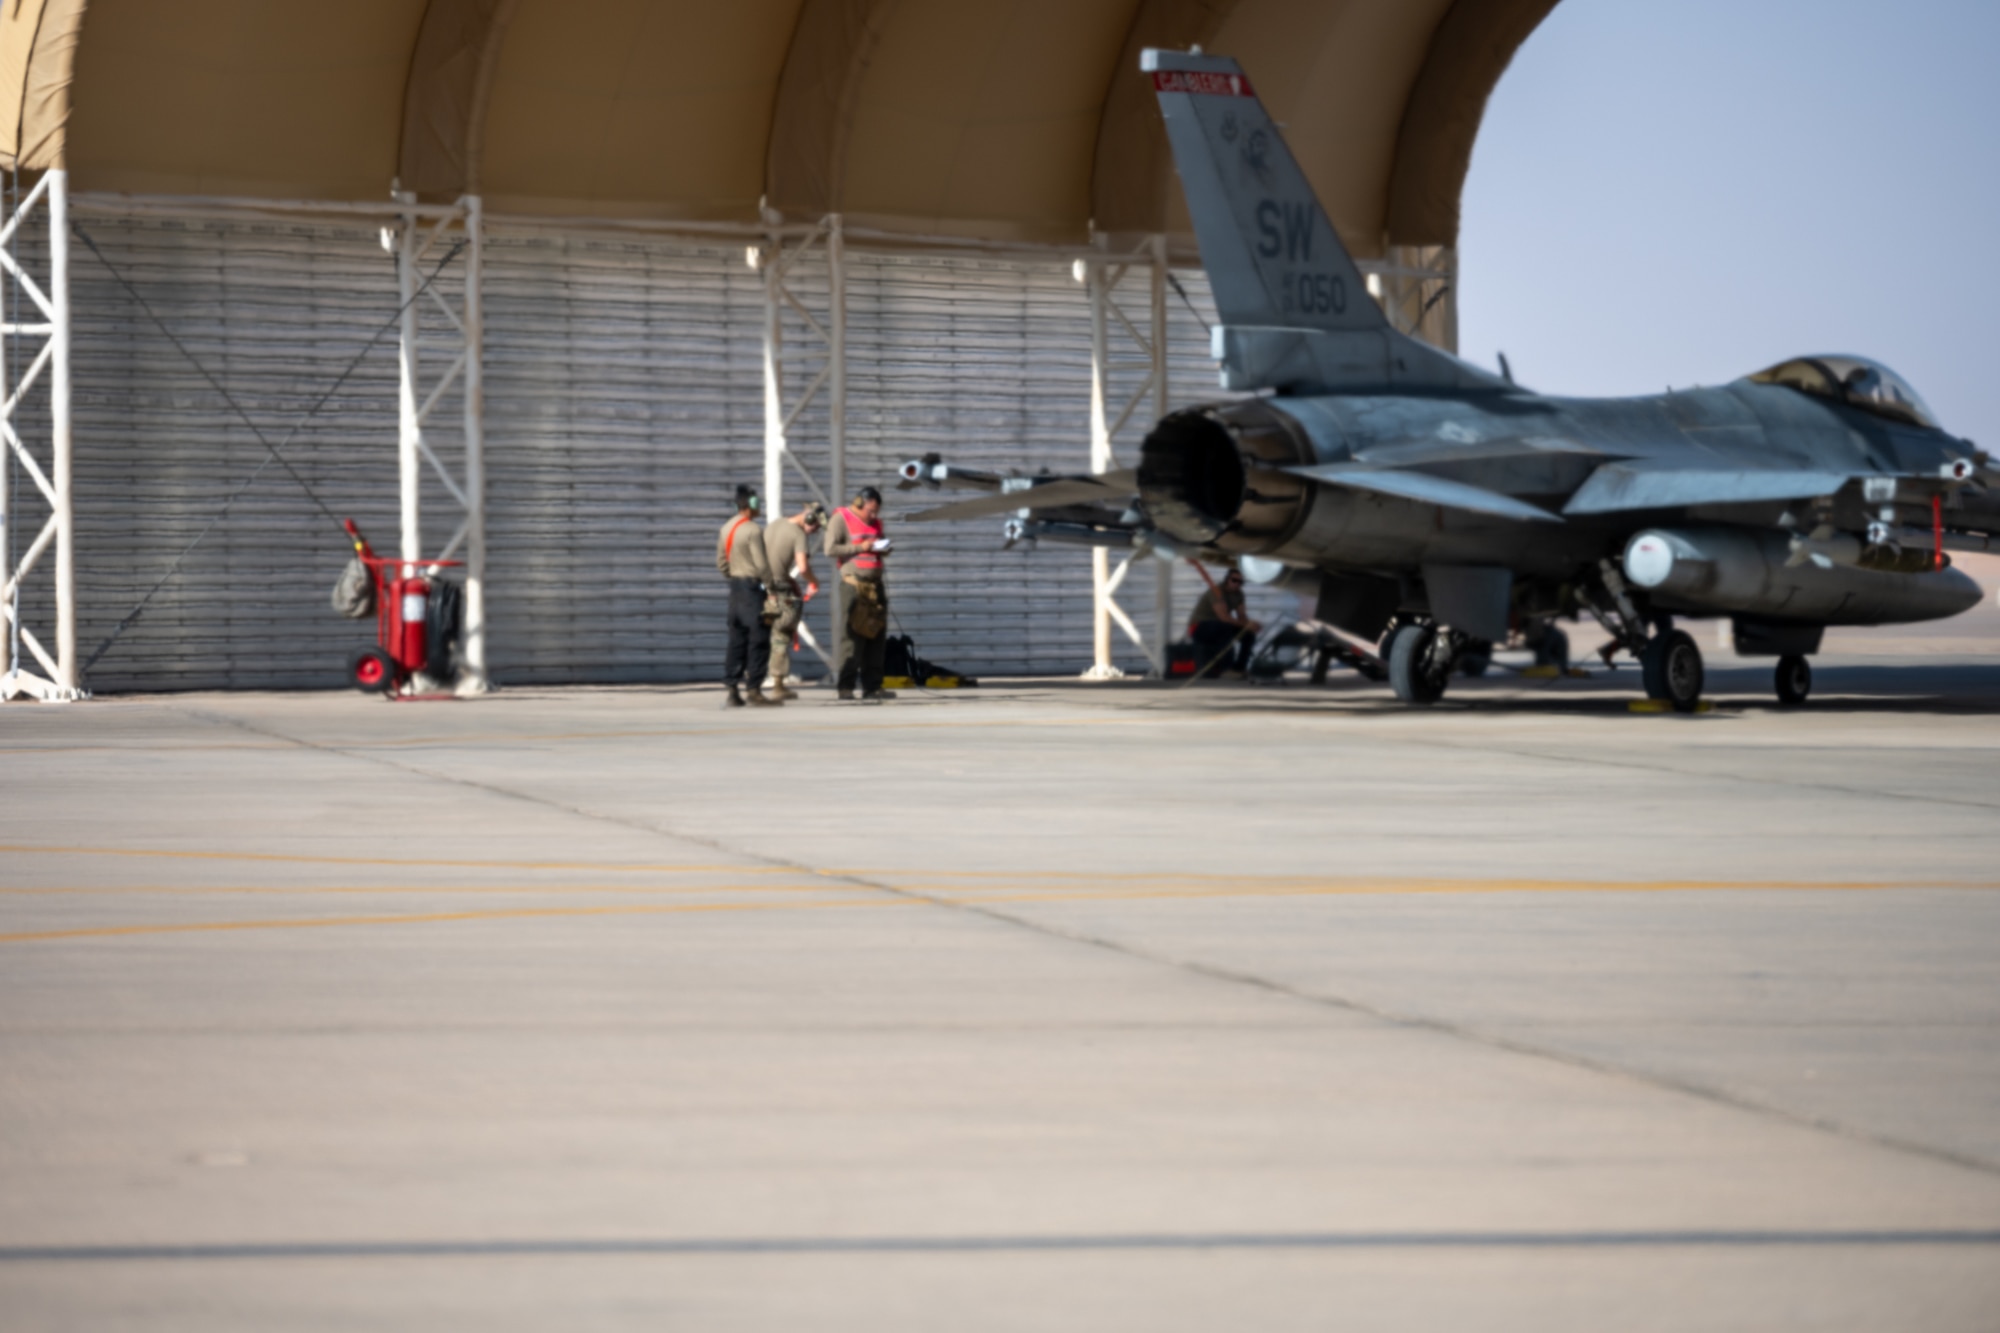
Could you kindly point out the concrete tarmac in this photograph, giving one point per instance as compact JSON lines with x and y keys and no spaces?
{"x":1034,"y":1006}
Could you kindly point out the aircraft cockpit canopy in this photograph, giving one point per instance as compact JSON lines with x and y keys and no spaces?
{"x":1855,"y":380}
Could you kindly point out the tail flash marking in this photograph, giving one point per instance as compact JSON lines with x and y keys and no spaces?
{"x":1273,"y":258}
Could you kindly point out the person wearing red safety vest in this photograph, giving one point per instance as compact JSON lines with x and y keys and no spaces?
{"x":739,"y":557}
{"x":860,"y":548}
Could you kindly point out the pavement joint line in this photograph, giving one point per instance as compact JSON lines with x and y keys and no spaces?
{"x":1692,"y":1238}
{"x":1439,"y":1026}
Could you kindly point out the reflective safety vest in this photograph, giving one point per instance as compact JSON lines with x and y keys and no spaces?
{"x":859,"y":531}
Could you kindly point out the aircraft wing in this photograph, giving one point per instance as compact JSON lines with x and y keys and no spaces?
{"x":1426,"y":489}
{"x":1616,"y":487}
{"x":1035,"y":493}
{"x":1043,"y":493}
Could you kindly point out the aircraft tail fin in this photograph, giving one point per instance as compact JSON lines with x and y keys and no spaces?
{"x":1273,"y":258}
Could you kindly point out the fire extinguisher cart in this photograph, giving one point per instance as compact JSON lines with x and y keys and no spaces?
{"x":404,"y":606}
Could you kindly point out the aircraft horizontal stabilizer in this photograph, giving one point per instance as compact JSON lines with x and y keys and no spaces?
{"x":1053,"y":493}
{"x":1618,"y":487}
{"x":1424,"y":488}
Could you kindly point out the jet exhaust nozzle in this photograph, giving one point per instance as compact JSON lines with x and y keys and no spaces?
{"x":1209,"y":477}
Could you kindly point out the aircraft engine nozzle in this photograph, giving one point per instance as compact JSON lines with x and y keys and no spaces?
{"x":1741,"y":571}
{"x":1209,"y":477}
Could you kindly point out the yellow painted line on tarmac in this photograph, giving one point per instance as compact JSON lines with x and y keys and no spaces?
{"x":307,"y":890}
{"x":1243,"y":889}
{"x":1390,"y":889}
{"x":145,"y":747}
{"x":861,"y":722}
{"x":430,"y":918}
{"x":408,"y":863}
{"x":1386,"y":884}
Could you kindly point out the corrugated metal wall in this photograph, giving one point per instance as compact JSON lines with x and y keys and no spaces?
{"x":624,"y":401}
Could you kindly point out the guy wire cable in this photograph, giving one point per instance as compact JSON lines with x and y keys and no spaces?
{"x":275,"y":450}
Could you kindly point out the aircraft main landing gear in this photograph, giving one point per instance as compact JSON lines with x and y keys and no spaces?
{"x":1794,"y":679}
{"x":1671,"y":667}
{"x":1421,"y":657}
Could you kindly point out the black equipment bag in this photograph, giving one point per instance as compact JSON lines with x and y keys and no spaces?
{"x":441,"y":628}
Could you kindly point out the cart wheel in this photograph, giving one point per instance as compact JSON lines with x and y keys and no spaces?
{"x":371,"y":671}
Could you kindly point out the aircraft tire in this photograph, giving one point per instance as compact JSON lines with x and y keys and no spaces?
{"x":1794,"y":680}
{"x":1414,"y":674}
{"x":1650,"y":673}
{"x":1678,"y":668}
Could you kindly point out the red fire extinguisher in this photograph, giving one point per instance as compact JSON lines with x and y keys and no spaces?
{"x":409,"y":637}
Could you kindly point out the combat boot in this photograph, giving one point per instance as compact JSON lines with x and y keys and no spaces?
{"x":734,"y":699}
{"x":781,"y":692}
{"x":847,"y":694}
{"x":758,"y":697}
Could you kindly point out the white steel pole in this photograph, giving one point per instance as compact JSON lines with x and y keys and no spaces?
{"x":1100,"y":461}
{"x":409,"y":430}
{"x":1163,"y":598}
{"x":67,"y":685}
{"x":836,"y":379}
{"x":475,"y":448}
{"x":774,"y":389}
{"x":836,"y":388}
{"x":9,"y":298}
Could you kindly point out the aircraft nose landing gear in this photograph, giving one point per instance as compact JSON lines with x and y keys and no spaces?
{"x":1671,"y":666}
{"x":1794,"y":679}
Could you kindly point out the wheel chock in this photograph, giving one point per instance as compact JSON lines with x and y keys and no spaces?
{"x":1662,"y":706}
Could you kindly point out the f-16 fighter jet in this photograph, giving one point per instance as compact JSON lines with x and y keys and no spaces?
{"x":1443,"y":509}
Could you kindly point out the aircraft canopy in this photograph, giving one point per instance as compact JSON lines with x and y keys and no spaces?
{"x":1854,"y":380}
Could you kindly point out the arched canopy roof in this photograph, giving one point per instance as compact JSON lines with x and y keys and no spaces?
{"x":1026,"y":121}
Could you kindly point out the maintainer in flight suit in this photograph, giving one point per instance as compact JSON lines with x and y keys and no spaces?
{"x":858,"y":545}
{"x":739,"y":557}
{"x":787,"y":554}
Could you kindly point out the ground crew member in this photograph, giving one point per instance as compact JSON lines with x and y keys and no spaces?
{"x":858,"y":545}
{"x":739,"y":557}
{"x":786,"y":555}
{"x":1221,"y":628}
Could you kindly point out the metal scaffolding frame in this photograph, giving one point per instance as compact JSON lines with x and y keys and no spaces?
{"x":1417,"y":287}
{"x":1102,"y":273}
{"x":1129,"y":370}
{"x":415,"y":239}
{"x":779,"y":258}
{"x":57,"y":682}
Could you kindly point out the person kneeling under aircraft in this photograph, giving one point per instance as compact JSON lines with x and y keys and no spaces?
{"x":1222,"y":630}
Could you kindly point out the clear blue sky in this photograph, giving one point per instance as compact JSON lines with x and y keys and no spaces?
{"x":1681,"y":193}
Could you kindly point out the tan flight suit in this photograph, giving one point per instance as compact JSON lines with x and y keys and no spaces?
{"x":1220,"y":643}
{"x":739,"y":557}
{"x":860,"y":656}
{"x":785,"y":545}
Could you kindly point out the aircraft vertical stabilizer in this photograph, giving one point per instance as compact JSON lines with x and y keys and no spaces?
{"x":1295,"y":311}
